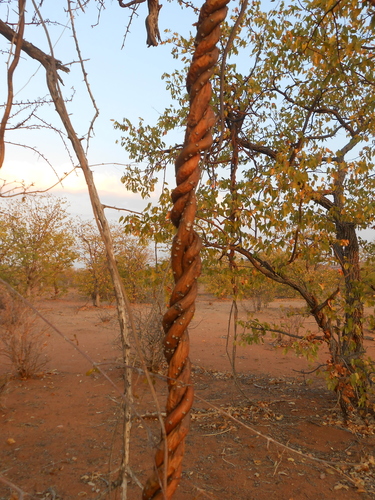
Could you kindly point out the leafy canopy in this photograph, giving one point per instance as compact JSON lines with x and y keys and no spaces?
{"x":298,"y":96}
{"x":36,"y":243}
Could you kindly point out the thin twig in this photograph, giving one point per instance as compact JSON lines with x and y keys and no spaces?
{"x":84,"y":73}
{"x":227,"y":48}
{"x":269,"y":439}
{"x":121,"y":209}
{"x":20,"y":492}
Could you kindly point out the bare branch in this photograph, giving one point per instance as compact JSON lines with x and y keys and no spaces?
{"x":265,"y":328}
{"x":257,"y":148}
{"x":11,"y":485}
{"x":152,"y":20}
{"x":129,"y":4}
{"x":324,"y":136}
{"x":96,"y":114}
{"x":303,"y":372}
{"x":30,"y":49}
{"x":122,"y":209}
{"x":22,"y":189}
{"x":318,"y":110}
{"x":224,"y":61}
{"x":17,"y":40}
{"x":32,"y":149}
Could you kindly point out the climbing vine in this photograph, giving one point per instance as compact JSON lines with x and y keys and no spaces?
{"x":186,"y":263}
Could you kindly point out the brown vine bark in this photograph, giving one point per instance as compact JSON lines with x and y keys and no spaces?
{"x":186,"y":264}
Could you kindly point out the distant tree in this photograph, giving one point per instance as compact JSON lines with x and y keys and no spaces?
{"x":132,"y":259}
{"x":241,"y":279}
{"x":93,"y":279}
{"x":36,"y":243}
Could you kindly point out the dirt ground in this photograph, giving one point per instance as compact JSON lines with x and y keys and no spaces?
{"x":60,"y":432}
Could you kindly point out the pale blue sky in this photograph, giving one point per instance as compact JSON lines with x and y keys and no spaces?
{"x":124,"y":82}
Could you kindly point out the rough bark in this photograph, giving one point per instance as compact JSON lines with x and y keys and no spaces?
{"x":186,"y":264}
{"x":152,"y":23}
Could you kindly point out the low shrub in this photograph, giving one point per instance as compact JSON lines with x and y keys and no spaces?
{"x":22,"y":336}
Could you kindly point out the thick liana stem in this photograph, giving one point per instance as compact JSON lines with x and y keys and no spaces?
{"x":186,"y":263}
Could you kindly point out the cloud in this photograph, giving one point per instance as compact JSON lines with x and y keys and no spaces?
{"x":41,"y":177}
{"x":107,"y":180}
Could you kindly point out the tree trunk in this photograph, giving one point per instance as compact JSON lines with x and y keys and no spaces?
{"x":348,"y":359}
{"x":95,"y":298}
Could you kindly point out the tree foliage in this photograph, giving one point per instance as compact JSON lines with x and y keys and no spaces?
{"x":132,"y":258}
{"x":289,"y":180}
{"x":36,"y":243}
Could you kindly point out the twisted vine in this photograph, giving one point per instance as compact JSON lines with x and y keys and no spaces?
{"x":186,"y":263}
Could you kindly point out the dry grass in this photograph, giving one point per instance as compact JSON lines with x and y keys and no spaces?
{"x":151,"y":334}
{"x":22,"y":337}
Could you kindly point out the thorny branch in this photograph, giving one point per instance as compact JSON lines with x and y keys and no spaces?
{"x":22,"y":189}
{"x":32,"y":51}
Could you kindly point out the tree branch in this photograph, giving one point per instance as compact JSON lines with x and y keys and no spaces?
{"x":281,"y":332}
{"x":326,"y":302}
{"x":320,"y":110}
{"x":129,"y":4}
{"x":30,"y":49}
{"x":224,"y":60}
{"x":122,"y":209}
{"x":17,"y":40}
{"x":321,"y":200}
{"x":257,"y":148}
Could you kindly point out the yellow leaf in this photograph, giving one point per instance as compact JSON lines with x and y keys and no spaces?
{"x":340,"y":486}
{"x":92,"y":370}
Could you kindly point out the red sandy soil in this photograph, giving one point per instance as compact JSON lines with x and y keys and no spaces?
{"x":60,"y":434}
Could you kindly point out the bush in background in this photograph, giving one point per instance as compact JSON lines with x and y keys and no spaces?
{"x":22,"y":337}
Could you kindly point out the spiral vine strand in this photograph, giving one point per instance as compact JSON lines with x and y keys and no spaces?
{"x":186,"y":263}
